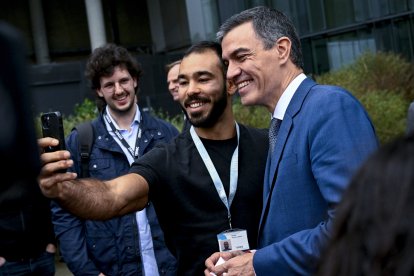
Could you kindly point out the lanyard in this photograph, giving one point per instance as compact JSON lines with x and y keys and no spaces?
{"x":234,"y":170}
{"x":134,"y":153}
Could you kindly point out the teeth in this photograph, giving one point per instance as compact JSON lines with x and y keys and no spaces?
{"x":243,"y":84}
{"x":194,"y":105}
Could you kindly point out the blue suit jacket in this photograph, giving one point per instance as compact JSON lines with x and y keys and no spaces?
{"x":325,"y":135}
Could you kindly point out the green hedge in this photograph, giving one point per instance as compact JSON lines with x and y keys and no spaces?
{"x":384,"y":83}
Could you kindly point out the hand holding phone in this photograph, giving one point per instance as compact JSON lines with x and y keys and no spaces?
{"x":52,"y":126}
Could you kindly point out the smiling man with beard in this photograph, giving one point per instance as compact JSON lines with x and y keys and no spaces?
{"x":202,"y":184}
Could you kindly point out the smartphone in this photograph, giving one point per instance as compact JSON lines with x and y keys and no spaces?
{"x":52,"y":126}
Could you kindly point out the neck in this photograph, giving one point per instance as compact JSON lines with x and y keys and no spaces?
{"x":288,"y":77}
{"x":225,"y":128}
{"x":124,"y":119}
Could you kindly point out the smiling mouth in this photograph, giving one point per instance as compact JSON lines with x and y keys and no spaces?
{"x":122,"y":98}
{"x":243,"y":84}
{"x":195,"y":104}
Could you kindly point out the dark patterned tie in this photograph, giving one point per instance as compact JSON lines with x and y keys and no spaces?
{"x":273,"y":131}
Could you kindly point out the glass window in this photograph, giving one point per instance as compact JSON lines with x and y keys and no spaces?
{"x":404,"y":39}
{"x":307,"y":56}
{"x":361,"y":10}
{"x":344,"y":49}
{"x":379,"y":8}
{"x":320,"y":57}
{"x":283,"y":6}
{"x":254,"y":3}
{"x":66,"y":27}
{"x":397,"y":6}
{"x":210,"y":18}
{"x":339,"y":13}
{"x":174,"y":24}
{"x":202,"y":19}
{"x":133,"y":23}
{"x":383,"y":36}
{"x":301,"y":14}
{"x":317,"y":16}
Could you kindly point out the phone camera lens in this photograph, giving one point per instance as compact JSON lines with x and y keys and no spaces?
{"x":46,"y":121}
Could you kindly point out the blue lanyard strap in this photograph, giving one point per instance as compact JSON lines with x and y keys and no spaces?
{"x":234,"y":170}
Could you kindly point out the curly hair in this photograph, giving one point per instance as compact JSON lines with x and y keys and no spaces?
{"x":373,"y":232}
{"x":102,"y":62}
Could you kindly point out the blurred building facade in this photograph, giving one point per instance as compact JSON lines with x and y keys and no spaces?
{"x":61,"y":34}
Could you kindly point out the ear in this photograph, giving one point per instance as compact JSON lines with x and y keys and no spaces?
{"x":231,"y":87}
{"x":283,"y":47}
{"x":135,"y":82}
{"x":98,"y":91}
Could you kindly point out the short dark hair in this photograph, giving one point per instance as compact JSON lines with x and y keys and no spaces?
{"x":269,"y":25}
{"x":203,"y":46}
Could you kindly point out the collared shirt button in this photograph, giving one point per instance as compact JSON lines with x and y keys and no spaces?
{"x":159,"y":133}
{"x":94,"y":166}
{"x":146,"y":141}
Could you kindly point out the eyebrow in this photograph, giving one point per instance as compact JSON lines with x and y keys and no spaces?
{"x":197,"y":74}
{"x":238,"y":51}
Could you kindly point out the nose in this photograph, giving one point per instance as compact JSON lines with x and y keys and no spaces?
{"x":171,"y":86}
{"x":192,"y":88}
{"x":118,"y":88}
{"x":232,"y":71}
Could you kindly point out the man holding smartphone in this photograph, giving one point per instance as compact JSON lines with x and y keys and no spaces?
{"x":206,"y":184}
{"x":132,"y":243}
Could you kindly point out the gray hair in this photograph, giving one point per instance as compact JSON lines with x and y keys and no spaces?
{"x":269,"y":25}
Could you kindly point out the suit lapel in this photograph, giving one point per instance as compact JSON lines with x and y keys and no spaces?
{"x":272,"y":165}
{"x":267,"y":183}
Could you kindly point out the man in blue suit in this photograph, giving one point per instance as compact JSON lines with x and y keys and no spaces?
{"x":324,"y":135}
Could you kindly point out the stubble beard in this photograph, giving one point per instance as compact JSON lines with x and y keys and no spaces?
{"x":211,"y":118}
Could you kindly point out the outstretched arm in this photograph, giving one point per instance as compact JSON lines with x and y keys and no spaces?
{"x":89,"y":198}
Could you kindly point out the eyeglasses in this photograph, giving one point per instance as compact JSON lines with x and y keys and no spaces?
{"x":110,"y":87}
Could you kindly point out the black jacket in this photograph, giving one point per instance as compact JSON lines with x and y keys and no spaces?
{"x":25,"y":224}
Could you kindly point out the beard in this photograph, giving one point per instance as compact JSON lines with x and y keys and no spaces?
{"x":210,"y":119}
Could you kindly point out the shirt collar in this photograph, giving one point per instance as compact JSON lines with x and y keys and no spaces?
{"x":287,"y":96}
{"x":135,"y":122}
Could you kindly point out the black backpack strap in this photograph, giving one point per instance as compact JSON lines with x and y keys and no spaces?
{"x":85,"y":140}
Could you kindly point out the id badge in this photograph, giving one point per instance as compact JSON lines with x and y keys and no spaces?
{"x":233,"y":239}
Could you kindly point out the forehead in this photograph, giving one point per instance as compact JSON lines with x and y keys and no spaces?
{"x":200,"y":62}
{"x":119,"y":72}
{"x":240,"y":37}
{"x":174,"y":70}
